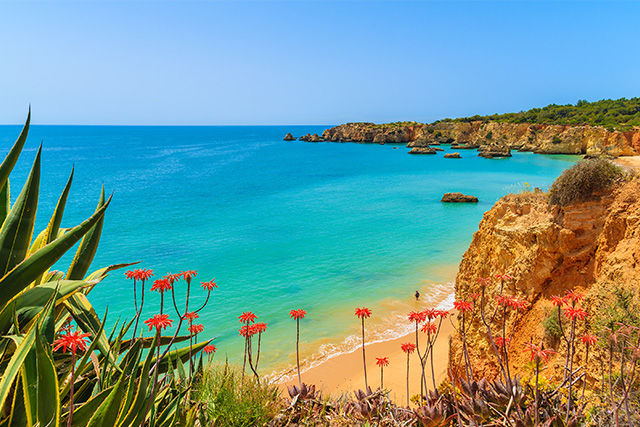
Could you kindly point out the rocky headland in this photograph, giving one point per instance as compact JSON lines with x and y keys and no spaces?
{"x":592,"y":248}
{"x":492,"y":139}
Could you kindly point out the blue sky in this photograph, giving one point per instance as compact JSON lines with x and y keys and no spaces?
{"x":308,"y":62}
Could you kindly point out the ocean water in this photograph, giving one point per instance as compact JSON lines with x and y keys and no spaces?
{"x":326,"y":227}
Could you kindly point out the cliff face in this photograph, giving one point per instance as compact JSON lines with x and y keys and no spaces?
{"x":544,"y":139}
{"x":547,"y":251}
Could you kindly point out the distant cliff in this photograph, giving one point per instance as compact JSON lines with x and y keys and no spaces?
{"x":538,"y":138}
{"x":589,"y":247}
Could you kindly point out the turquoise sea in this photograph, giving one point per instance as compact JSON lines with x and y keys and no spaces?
{"x":326,"y":227}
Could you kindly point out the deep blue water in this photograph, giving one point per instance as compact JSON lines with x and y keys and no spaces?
{"x":281,"y":225}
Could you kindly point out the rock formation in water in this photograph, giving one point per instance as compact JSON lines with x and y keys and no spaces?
{"x":289,"y":137}
{"x":590,"y":247}
{"x":458,"y":198}
{"x":539,"y":138}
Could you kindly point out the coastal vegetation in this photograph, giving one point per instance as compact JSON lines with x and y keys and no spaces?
{"x":585,"y":181}
{"x":619,"y":114}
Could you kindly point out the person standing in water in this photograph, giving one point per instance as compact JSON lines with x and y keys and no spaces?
{"x":417,"y":295}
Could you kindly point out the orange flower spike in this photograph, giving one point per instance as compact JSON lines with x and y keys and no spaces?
{"x":172,"y":278}
{"x":363,"y":312}
{"x":463,"y":306}
{"x":443,"y":314}
{"x":382,"y":361}
{"x":589,"y":339}
{"x":190,"y":316}
{"x":538,"y":352}
{"x":260,"y":327}
{"x":428,"y":314}
{"x":408,"y":347}
{"x":503,"y":277}
{"x":188,"y":275}
{"x":159,"y":321}
{"x":416,"y":316}
{"x":575,"y":313}
{"x":484,"y":281}
{"x":247,"y":330}
{"x":247,"y":317}
{"x":505,"y":300}
{"x":208,"y":286}
{"x":161,"y":285}
{"x":500,"y":342}
{"x":429,"y":328}
{"x":519,"y":304}
{"x":196,"y":329}
{"x":574,"y":296}
{"x":71,"y":340}
{"x":208,"y":349}
{"x":558,"y":301}
{"x":297,"y":314}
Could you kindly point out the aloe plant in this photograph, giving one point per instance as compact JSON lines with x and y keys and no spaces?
{"x":110,"y":383}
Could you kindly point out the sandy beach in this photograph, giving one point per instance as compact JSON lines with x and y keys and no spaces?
{"x":344,"y":373}
{"x":632,"y":162}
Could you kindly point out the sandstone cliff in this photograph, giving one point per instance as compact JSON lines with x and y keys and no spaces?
{"x":544,"y":139}
{"x":589,"y":247}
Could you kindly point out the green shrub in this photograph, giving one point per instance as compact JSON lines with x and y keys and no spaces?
{"x":551,"y":325}
{"x":584,"y":181}
{"x":556,"y":140}
{"x":230,"y":400}
{"x":489,"y":135}
{"x":438,"y":134}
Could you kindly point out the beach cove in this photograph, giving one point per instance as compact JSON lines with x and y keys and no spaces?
{"x":281,"y":225}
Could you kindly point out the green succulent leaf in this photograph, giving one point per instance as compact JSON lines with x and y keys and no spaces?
{"x":5,"y":202}
{"x":28,"y":270}
{"x":48,"y":397}
{"x":17,"y":229}
{"x":24,"y":346}
{"x":88,"y":247}
{"x":10,"y":161}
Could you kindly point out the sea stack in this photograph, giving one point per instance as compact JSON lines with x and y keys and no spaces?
{"x":458,"y":198}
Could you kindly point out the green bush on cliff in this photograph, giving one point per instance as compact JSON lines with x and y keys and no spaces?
{"x":584,"y":181}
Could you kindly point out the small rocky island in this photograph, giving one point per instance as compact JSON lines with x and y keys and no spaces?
{"x":458,"y":198}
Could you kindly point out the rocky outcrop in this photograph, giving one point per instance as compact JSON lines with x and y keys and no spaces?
{"x":494,"y":150}
{"x":543,"y":139}
{"x":289,"y":137}
{"x":455,"y":155}
{"x":458,"y":198}
{"x":422,"y":150}
{"x":369,"y":132}
{"x":311,"y":138}
{"x":588,"y":247}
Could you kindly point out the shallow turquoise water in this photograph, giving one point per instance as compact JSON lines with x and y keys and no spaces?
{"x":281,"y":225}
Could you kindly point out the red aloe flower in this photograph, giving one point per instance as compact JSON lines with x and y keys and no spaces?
{"x":503,"y":276}
{"x":363,"y":312}
{"x":443,"y":313}
{"x":574,"y":296}
{"x":538,"y":352}
{"x":418,"y":317}
{"x":159,"y":321}
{"x":382,"y":361}
{"x":589,"y":339}
{"x":71,"y":340}
{"x":172,"y":278}
{"x":247,"y":317}
{"x":260,"y":327}
{"x":505,"y":300}
{"x":247,"y":331}
{"x":188,"y":275}
{"x":208,"y":349}
{"x":429,"y":313}
{"x":429,"y":328}
{"x":195,"y":329}
{"x":139,"y":274}
{"x":484,"y":281}
{"x":297,"y":314}
{"x":575,"y":313}
{"x":408,"y":347}
{"x":558,"y":301}
{"x":209,"y":285}
{"x":519,"y":304}
{"x":161,"y":285}
{"x":191,"y":316}
{"x":463,"y":306}
{"x":500,"y":342}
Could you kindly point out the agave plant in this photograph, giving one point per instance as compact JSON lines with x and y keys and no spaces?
{"x":111,"y":380}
